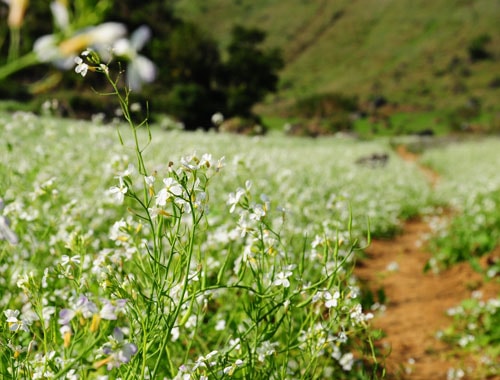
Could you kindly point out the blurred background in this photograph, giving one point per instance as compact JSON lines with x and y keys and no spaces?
{"x":311,"y":67}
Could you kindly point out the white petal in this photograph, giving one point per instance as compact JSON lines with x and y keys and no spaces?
{"x":107,"y":33}
{"x":140,"y":37}
{"x":60,"y":13}
{"x":123,"y":48}
{"x":46,"y":49}
{"x":140,"y":70}
{"x":146,"y":68}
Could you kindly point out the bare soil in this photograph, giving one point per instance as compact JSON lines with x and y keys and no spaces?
{"x":416,"y":302}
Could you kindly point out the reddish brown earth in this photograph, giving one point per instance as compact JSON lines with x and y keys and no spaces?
{"x":416,"y":302}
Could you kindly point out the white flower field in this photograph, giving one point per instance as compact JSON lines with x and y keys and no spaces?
{"x":205,"y":255}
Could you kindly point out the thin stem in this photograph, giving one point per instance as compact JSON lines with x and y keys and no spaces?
{"x":124,"y":104}
{"x":15,"y":40}
{"x":16,"y":65}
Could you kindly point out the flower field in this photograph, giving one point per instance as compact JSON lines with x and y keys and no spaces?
{"x":210,"y":256}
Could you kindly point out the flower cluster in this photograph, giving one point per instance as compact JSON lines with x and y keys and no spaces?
{"x":74,"y":31}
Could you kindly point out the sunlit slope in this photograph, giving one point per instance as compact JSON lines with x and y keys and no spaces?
{"x":412,"y":52}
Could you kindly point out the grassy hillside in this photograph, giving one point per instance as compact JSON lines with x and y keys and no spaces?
{"x":412,"y":52}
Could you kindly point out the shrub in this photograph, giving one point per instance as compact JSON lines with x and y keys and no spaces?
{"x":324,"y":105}
{"x":193,"y":104}
{"x":460,"y":118}
{"x":477,"y":48}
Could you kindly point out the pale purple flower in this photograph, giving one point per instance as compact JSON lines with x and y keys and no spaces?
{"x":118,"y":350}
{"x":109,"y":310}
{"x":14,"y":323}
{"x":5,"y":231}
{"x":82,"y":307}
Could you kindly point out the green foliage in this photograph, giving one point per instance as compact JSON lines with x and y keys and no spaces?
{"x":191,"y":57}
{"x":323,"y":114}
{"x":476,"y":331}
{"x":460,"y":118}
{"x":250,"y":72}
{"x":347,"y":47}
{"x":478,"y":48}
{"x":473,"y":233}
{"x":193,"y":104}
{"x":469,"y":185}
{"x":325,"y":105}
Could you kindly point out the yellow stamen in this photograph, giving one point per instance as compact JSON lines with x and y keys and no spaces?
{"x":67,"y":339}
{"x":139,"y":228}
{"x":75,"y":45}
{"x":102,"y":362}
{"x":96,"y":320}
{"x":164,"y":213}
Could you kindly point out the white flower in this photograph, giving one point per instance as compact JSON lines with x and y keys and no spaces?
{"x":331,"y":301}
{"x":81,"y":67}
{"x":140,"y":69}
{"x":49,"y":48}
{"x":118,"y":192}
{"x":60,"y":14}
{"x":282,"y":279}
{"x":217,"y":119}
{"x":14,"y":323}
{"x":172,"y":188}
{"x":234,"y":199}
{"x":346,"y":361}
{"x":258,"y":212}
{"x":266,"y":349}
{"x":221,"y":325}
{"x":66,"y":260}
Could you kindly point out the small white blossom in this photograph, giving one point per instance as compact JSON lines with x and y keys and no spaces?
{"x":331,"y":300}
{"x":282,"y":279}
{"x":172,"y":188}
{"x":118,"y":192}
{"x":217,"y":119}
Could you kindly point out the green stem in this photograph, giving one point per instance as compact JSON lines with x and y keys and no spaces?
{"x":126,"y":114}
{"x":16,"y":65}
{"x":15,"y":40}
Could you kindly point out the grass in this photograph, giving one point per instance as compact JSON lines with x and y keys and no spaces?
{"x":470,"y":186}
{"x":397,"y":48}
{"x":397,"y":124}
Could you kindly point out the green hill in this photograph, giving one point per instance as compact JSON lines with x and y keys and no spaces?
{"x":414,"y":53}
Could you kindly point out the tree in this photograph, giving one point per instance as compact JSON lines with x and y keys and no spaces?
{"x":191,"y":56}
{"x":250,"y":71}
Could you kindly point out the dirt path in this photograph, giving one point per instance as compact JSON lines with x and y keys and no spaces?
{"x":416,"y":302}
